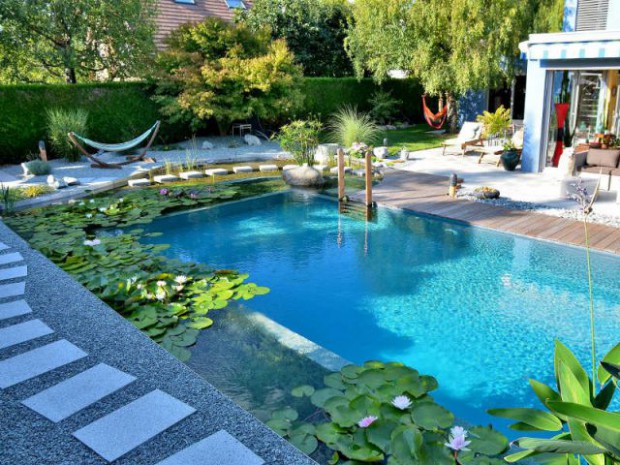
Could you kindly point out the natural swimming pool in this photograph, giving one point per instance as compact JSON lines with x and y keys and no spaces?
{"x":479,"y":310}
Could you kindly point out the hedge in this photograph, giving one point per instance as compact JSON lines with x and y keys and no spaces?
{"x":117,"y":112}
{"x":325,"y":95}
{"x":120,"y":111}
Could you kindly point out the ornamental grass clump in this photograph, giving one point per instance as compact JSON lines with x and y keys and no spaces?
{"x":348,"y":127}
{"x":384,"y":413}
{"x":301,"y":139}
{"x":61,"y":122}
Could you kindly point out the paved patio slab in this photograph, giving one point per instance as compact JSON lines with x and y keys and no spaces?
{"x":7,"y":258}
{"x":13,"y":309}
{"x":12,"y":273}
{"x":126,"y":428}
{"x":22,"y":332}
{"x":38,"y":361}
{"x":76,"y":393}
{"x":12,"y":290}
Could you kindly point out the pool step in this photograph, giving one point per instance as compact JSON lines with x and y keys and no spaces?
{"x":357,"y":211}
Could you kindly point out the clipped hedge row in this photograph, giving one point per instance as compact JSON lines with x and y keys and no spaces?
{"x":121,"y":111}
{"x":325,"y":95}
{"x":117,"y":112}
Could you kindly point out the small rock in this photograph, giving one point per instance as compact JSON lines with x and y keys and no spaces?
{"x":251,"y":140}
{"x":303,"y":176}
{"x":267,"y":168}
{"x":289,"y":167}
{"x":380,"y":152}
{"x":216,"y":172}
{"x":190,"y":175}
{"x":242,"y":169}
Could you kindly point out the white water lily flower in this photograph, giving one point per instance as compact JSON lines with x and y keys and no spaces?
{"x":92,"y":200}
{"x":161,"y":295}
{"x":139,"y":286}
{"x":161,"y":283}
{"x":401,"y":402}
{"x":149,"y":296}
{"x":101,"y":209}
{"x":181,"y":279}
{"x":178,"y":288}
{"x":92,"y":243}
{"x":81,"y":204}
{"x":89,"y":215}
{"x":121,"y":200}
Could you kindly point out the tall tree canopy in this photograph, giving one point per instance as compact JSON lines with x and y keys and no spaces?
{"x":215,"y":70}
{"x":61,"y":40}
{"x":313,"y":29}
{"x":452,"y":46}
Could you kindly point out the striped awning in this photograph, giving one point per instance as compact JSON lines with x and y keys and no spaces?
{"x":572,"y":46}
{"x":575,"y":50}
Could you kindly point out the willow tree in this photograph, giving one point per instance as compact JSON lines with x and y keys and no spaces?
{"x":451,"y":46}
{"x":60,"y":40}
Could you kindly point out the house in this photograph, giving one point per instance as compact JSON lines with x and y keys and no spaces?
{"x":173,"y":13}
{"x":585,"y":60}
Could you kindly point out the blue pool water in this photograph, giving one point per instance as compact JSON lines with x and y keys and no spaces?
{"x":479,"y":310}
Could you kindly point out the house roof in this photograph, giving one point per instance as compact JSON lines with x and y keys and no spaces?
{"x":172,"y":14}
{"x":572,"y":45}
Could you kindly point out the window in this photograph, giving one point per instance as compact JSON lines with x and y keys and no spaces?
{"x":235,"y":4}
{"x":592,"y":15}
{"x":187,"y":2}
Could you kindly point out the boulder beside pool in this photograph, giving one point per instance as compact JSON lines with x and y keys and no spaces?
{"x":303,"y":176}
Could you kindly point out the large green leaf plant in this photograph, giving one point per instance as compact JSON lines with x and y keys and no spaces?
{"x":578,"y":415}
{"x":169,"y":300}
{"x":384,"y":413}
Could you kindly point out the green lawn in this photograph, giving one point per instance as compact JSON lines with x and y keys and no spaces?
{"x":414,"y":138}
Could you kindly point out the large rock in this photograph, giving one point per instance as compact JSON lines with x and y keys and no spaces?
{"x":325,"y":153}
{"x":303,"y":176}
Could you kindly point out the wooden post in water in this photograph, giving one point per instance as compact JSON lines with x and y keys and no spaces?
{"x":368,"y":184}
{"x":341,"y":193}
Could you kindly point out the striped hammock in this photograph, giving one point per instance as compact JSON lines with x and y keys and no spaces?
{"x":117,"y":147}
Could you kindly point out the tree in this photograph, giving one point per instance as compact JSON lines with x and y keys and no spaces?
{"x":217,"y":70}
{"x":59,"y":40}
{"x":451,"y":46}
{"x":314,"y":31}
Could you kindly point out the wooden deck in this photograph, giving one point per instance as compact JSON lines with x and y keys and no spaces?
{"x":425,"y":193}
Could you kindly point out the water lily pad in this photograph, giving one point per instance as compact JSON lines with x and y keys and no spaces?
{"x":487,"y":441}
{"x":302,"y":391}
{"x":431,"y":416}
{"x":304,"y":442}
{"x":321,"y":396}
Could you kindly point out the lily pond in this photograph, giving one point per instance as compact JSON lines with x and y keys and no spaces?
{"x":476,"y":309}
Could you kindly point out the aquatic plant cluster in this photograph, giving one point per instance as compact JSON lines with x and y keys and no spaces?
{"x":383,"y":412}
{"x":167,"y":299}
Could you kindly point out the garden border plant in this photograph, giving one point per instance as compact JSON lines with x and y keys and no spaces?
{"x":167,"y":299}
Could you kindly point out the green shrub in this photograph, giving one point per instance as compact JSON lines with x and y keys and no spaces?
{"x":300,"y":138}
{"x":38,"y":167}
{"x":495,"y":123}
{"x":117,"y":112}
{"x":59,"y":123}
{"x":348,"y":126}
{"x":384,"y":106}
{"x":34,"y":190}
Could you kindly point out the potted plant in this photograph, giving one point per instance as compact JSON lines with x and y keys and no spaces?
{"x":486,"y":192}
{"x":511,"y":157}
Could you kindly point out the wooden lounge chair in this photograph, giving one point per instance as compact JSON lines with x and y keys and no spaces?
{"x":470,"y":134}
{"x":495,"y":146}
{"x":101,"y":148}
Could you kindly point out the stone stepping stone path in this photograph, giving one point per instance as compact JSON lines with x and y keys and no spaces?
{"x":141,"y":182}
{"x":126,"y":428}
{"x":267,"y":168}
{"x":22,"y":332}
{"x":76,"y":393}
{"x":218,"y":449}
{"x":38,"y":361}
{"x":216,"y":172}
{"x":321,"y":168}
{"x":117,"y":433}
{"x":13,"y":309}
{"x":289,"y":167}
{"x":334,"y":170}
{"x":242,"y":169}
{"x":187,"y":175}
{"x":164,"y":178}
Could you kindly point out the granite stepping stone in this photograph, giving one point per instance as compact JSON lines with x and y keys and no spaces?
{"x":12,"y":290}
{"x":242,"y":169}
{"x":218,"y":449}
{"x":22,"y":332}
{"x":361,"y":173}
{"x":187,"y":175}
{"x":38,"y":361}
{"x":216,"y":172}
{"x":321,"y":168}
{"x":3,"y":246}
{"x":121,"y":431}
{"x":289,"y":167}
{"x":138,"y":182}
{"x":76,"y":393}
{"x":12,"y":273}
{"x":13,"y":309}
{"x":10,"y":258}
{"x":164,"y":178}
{"x":267,"y":168}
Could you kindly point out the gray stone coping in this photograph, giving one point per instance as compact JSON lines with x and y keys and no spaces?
{"x":101,"y":336}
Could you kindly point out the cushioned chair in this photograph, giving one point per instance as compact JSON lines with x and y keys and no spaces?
{"x":470,"y":134}
{"x":601,"y":161}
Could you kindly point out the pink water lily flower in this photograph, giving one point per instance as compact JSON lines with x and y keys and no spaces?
{"x":458,"y":439}
{"x":401,"y":402}
{"x":164,"y":191}
{"x":366,"y":421}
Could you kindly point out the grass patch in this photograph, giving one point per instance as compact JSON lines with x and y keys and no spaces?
{"x":412,"y":139}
